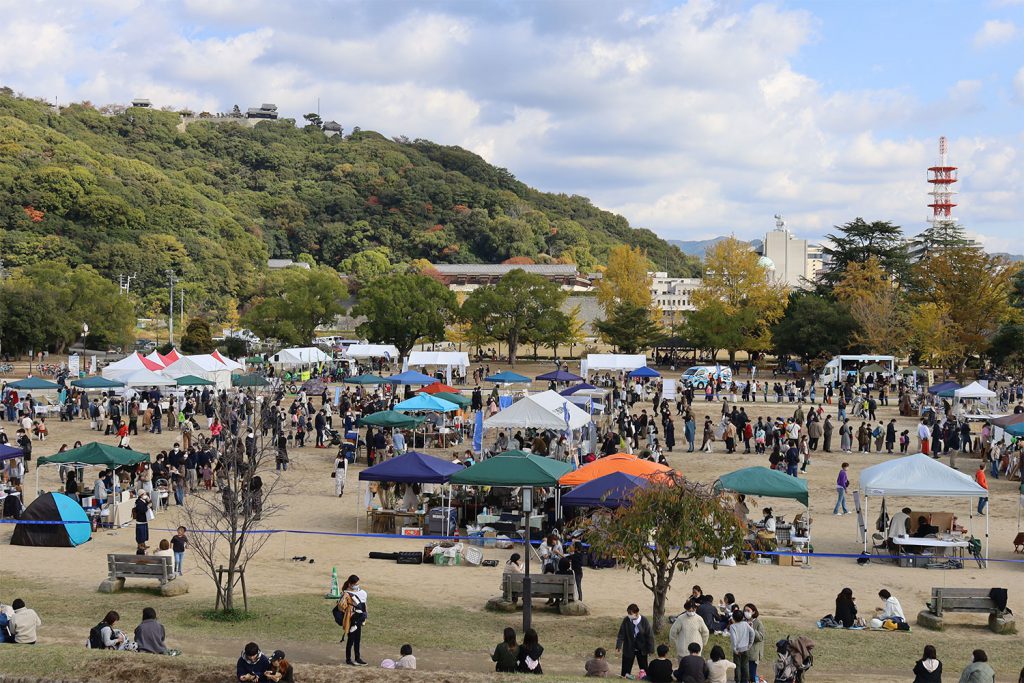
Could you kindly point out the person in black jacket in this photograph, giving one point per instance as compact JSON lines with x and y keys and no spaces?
{"x":928,"y":669}
{"x":846,"y":610}
{"x":528,"y":659}
{"x":635,"y":640}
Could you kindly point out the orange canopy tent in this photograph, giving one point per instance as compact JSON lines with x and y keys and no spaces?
{"x":618,"y":462}
{"x":438,"y":387}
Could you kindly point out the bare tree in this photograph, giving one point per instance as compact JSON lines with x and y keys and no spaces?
{"x":225,"y":524}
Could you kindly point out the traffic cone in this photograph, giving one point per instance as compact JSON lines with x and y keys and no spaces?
{"x":335,"y":591}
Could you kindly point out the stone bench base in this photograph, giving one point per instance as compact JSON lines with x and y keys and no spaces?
{"x":1003,"y":624}
{"x":178,"y":586}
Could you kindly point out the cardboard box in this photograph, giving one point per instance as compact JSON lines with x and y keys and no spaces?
{"x":784,"y":560}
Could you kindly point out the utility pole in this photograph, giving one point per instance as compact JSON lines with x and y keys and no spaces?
{"x":171,"y":279}
{"x":125,"y":282}
{"x":181,"y":300}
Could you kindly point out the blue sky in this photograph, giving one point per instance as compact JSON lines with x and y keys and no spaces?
{"x":693,"y":118}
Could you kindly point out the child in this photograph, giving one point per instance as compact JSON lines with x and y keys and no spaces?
{"x":660,"y":669}
{"x":208,"y":476}
{"x":178,"y":544}
{"x":904,"y":440}
{"x":597,"y":666}
{"x":407,"y":660}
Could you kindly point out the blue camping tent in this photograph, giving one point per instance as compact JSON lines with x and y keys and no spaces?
{"x":426,"y":402}
{"x":644,"y":371}
{"x":582,"y":386}
{"x":66,"y":524}
{"x":412,"y":377}
{"x":508,"y":377}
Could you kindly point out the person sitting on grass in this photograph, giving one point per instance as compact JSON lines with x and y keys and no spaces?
{"x":659,"y":670}
{"x":150,"y":634}
{"x":103,"y":636}
{"x":506,"y":653}
{"x":597,"y":666}
{"x":407,"y":660}
{"x":252,"y":666}
{"x":692,"y":667}
{"x":718,"y":666}
{"x":281,"y":670}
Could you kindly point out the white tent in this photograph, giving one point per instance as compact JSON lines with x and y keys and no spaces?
{"x":155,"y":358}
{"x":389,"y":351}
{"x":135,"y":361}
{"x":202,"y":365}
{"x":557,"y":404}
{"x":920,"y":475}
{"x":227,"y":362}
{"x":611,"y":361}
{"x":306,"y":355}
{"x":145,"y":378}
{"x":451,"y":359}
{"x":525,"y":413}
{"x":974,"y":390}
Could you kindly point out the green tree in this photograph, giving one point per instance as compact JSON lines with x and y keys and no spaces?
{"x":366,"y":266}
{"x":813,"y":327}
{"x":625,"y":280}
{"x":669,"y":526}
{"x":197,"y":337}
{"x":857,"y":241}
{"x":403,"y":308}
{"x":1007,"y":348}
{"x":291,"y":303}
{"x":629,"y":328}
{"x":504,"y":311}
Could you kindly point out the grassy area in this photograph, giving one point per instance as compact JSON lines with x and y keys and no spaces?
{"x":450,"y":634}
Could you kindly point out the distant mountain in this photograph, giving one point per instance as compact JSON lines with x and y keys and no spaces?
{"x":698,"y":247}
{"x":1013,"y":258}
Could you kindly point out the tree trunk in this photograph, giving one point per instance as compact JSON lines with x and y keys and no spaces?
{"x":660,"y":600}
{"x":513,"y":345}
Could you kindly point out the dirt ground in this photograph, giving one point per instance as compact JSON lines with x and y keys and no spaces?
{"x":796,"y":595}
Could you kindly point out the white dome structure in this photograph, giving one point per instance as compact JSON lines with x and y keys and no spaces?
{"x":766,"y":263}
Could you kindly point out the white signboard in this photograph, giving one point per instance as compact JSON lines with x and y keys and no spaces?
{"x":668,"y":387}
{"x":74,"y":365}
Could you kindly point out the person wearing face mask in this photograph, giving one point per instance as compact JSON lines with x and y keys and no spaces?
{"x":688,"y":628}
{"x":635,"y":640}
{"x":756,"y":651}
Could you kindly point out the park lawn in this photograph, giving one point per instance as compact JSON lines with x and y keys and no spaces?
{"x":460,"y":632}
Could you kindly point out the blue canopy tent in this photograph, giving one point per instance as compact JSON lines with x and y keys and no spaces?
{"x":644,"y":371}
{"x":426,"y":402}
{"x":412,"y":377}
{"x":1015,"y":429}
{"x":559,"y":376}
{"x":30,"y":383}
{"x":610,"y":491}
{"x":582,"y":386}
{"x":7,"y":452}
{"x":410,"y":468}
{"x":943,"y":386}
{"x":508,"y":377}
{"x":96,"y":383}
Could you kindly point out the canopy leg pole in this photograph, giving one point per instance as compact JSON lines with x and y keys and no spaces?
{"x":807,"y":561}
{"x":358,"y":491}
{"x":988,"y":514}
{"x":864,"y":511}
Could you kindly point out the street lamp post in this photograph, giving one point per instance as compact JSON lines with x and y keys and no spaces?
{"x":527,"y":583}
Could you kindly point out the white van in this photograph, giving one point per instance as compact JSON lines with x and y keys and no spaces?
{"x":699,"y":375}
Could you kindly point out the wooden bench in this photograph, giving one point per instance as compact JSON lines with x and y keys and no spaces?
{"x":161,"y":568}
{"x":559,"y":586}
{"x":964,"y":600}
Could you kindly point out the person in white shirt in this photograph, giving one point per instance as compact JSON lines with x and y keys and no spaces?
{"x":25,"y":623}
{"x":892,"y":608}
{"x":900,"y":523}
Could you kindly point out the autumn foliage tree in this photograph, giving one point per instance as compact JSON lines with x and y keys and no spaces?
{"x":877,"y":306}
{"x":665,"y":528}
{"x":625,"y":280}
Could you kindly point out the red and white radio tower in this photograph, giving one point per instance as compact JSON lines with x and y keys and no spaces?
{"x":942,"y":178}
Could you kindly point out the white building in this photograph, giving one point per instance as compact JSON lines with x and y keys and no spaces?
{"x":673,"y":293}
{"x":789,"y":257}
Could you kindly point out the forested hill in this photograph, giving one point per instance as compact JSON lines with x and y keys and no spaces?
{"x":139,"y":193}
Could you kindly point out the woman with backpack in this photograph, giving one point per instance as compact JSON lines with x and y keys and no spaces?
{"x":103,"y":636}
{"x":353,"y":606}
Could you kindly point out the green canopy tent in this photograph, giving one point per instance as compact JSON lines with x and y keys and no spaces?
{"x":96,"y":383}
{"x":458,"y":399}
{"x":193,"y":381}
{"x":516,"y":468}
{"x":365,"y":379}
{"x":34,"y":383}
{"x":761,"y":481}
{"x":913,"y":370}
{"x":255,"y":360}
{"x":96,"y":454}
{"x":249,"y":380}
{"x":513,"y":468}
{"x":872,"y":367}
{"x":390,"y":419}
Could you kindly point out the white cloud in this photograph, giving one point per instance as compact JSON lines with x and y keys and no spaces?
{"x":1018,"y":85}
{"x":995,"y":32}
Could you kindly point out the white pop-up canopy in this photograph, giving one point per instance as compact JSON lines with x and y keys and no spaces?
{"x":612,"y":361}
{"x":131,"y":363}
{"x":558,"y":404}
{"x":202,"y":365}
{"x":145,"y":378}
{"x":974,"y":390}
{"x":525,"y":413}
{"x":453,"y":359}
{"x":389,"y":351}
{"x":306,"y":355}
{"x":920,"y":475}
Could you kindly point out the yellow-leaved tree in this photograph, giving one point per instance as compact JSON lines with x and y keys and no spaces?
{"x":738,"y":303}
{"x":876,"y":305}
{"x":625,"y":279}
